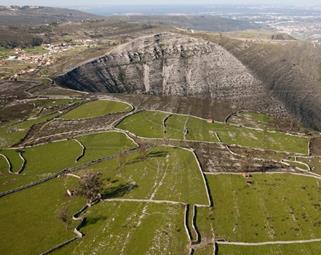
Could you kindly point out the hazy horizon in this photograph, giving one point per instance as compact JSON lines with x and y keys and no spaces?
{"x":95,"y":3}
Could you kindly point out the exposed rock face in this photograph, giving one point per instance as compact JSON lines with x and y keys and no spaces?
{"x":166,"y":64}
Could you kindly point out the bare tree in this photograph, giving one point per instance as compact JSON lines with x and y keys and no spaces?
{"x":64,"y":216}
{"x":143,"y":151}
{"x":91,"y":186}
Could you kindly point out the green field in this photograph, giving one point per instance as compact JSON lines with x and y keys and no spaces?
{"x":149,"y":124}
{"x":30,"y":223}
{"x":14,"y":159}
{"x":104,"y":145}
{"x":253,"y":119}
{"x":116,"y":228}
{"x":43,"y":110}
{"x":164,"y":174}
{"x":12,"y":133}
{"x":95,"y":109}
{"x":274,"y":207}
{"x":145,"y":124}
{"x":175,"y":126}
{"x":41,"y":162}
{"x":45,"y":160}
{"x":207,"y":250}
{"x":4,"y":167}
{"x":288,"y":249}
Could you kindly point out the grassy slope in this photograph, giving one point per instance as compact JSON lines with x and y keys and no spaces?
{"x":149,"y":124}
{"x":4,"y":167}
{"x":103,"y":145}
{"x":30,"y":223}
{"x":96,"y":109}
{"x":43,"y":161}
{"x":146,"y":124}
{"x":13,"y":157}
{"x":292,"y":249}
{"x":165,"y":174}
{"x":207,"y":250}
{"x":12,"y":132}
{"x":274,"y":207}
{"x":132,"y":228}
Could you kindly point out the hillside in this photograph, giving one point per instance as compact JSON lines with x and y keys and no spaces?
{"x":291,"y":71}
{"x":197,"y":22}
{"x":38,"y":15}
{"x":170,"y":64}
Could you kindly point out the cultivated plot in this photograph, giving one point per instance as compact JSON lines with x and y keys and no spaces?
{"x":145,"y":124}
{"x":31,"y":223}
{"x":285,"y":249}
{"x":151,"y":124}
{"x":103,"y":145}
{"x":161,"y":173}
{"x":119,"y":228}
{"x":48,"y":159}
{"x":97,"y":108}
{"x":262,"y":208}
{"x":13,"y":159}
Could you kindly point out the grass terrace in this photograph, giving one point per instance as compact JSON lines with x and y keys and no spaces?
{"x":41,"y":162}
{"x":161,"y":173}
{"x":146,"y":124}
{"x":15,"y":160}
{"x":274,"y":207}
{"x":97,"y":108}
{"x":104,"y":144}
{"x":45,"y":160}
{"x":30,"y":222}
{"x":149,"y":124}
{"x":132,"y":228}
{"x":285,"y":249}
{"x":12,"y":133}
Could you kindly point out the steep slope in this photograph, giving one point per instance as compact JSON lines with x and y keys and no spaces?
{"x":38,"y":15}
{"x":291,"y":72}
{"x":168,"y":64}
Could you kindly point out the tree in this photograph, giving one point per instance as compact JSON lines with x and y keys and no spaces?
{"x":91,"y":186}
{"x":143,"y":151}
{"x":64,"y":216}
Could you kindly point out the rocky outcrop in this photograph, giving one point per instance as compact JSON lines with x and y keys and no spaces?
{"x":166,"y":64}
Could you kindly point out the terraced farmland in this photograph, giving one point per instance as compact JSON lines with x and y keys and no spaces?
{"x":49,"y":159}
{"x":157,"y":196}
{"x":150,"y":125}
{"x":163,"y":174}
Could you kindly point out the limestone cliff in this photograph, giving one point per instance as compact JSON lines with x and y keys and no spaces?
{"x":166,"y":64}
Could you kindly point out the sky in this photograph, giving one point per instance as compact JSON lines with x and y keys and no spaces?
{"x":63,"y":3}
